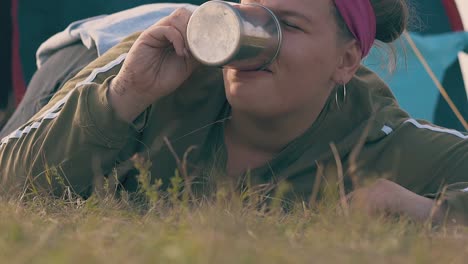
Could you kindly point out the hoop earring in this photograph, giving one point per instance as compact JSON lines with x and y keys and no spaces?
{"x":344,"y":93}
{"x":344,"y":96}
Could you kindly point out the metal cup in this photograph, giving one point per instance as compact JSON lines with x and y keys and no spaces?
{"x":241,"y":36}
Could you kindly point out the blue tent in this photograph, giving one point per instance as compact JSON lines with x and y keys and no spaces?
{"x":411,"y":83}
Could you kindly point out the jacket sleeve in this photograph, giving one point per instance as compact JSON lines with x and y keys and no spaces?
{"x":76,"y":137}
{"x":432,"y":161}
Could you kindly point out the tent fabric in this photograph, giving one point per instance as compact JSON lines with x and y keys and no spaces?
{"x":411,"y":84}
{"x":454,"y":84}
{"x":19,"y":85}
{"x":453,"y":15}
{"x":428,"y":17}
{"x":5,"y":53}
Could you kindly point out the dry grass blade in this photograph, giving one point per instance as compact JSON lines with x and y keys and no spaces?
{"x":316,"y":188}
{"x":339,"y":169}
{"x":436,"y":207}
{"x":187,"y":178}
{"x":353,"y":156}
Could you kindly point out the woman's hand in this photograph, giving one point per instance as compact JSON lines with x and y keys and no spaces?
{"x":156,"y":65}
{"x":384,"y":196}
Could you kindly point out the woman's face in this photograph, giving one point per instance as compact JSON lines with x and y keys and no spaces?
{"x":305,"y":71}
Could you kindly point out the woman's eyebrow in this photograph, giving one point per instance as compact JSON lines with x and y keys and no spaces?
{"x":292,"y":13}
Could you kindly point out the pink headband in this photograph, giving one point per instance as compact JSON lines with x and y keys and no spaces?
{"x":359,"y":15}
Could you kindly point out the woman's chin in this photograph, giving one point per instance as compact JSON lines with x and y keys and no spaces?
{"x":248,"y":91}
{"x":246,"y":99}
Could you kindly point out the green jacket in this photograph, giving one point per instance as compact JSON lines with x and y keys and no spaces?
{"x":78,"y":138}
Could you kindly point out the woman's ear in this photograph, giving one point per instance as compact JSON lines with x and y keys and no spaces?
{"x":348,"y":63}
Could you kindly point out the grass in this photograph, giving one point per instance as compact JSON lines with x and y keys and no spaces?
{"x":231,"y":228}
{"x":106,"y":230}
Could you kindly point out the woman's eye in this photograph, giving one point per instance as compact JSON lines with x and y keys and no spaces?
{"x":290,"y":25}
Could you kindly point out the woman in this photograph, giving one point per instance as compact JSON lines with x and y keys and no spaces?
{"x":149,"y":96}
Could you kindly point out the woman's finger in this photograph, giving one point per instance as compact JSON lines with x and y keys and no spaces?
{"x":179,"y":20}
{"x":163,"y":37}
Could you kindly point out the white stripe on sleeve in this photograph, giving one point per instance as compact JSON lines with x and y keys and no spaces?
{"x":55,"y":110}
{"x":437,"y":129}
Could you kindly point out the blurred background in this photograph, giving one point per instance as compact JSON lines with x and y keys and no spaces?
{"x":25,"y":24}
